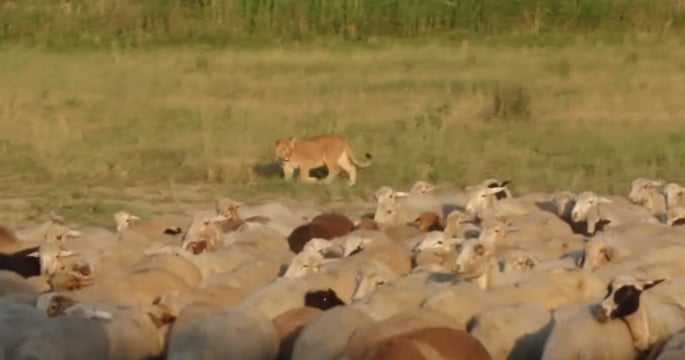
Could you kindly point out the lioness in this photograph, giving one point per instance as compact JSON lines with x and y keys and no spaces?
{"x":308,"y":153}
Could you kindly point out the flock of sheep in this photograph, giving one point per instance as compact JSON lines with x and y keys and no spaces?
{"x":430,"y":273}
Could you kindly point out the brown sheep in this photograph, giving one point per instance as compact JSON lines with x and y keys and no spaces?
{"x":289,"y":325}
{"x":430,"y":221}
{"x":322,"y":299}
{"x":429,"y":343}
{"x":324,"y":226}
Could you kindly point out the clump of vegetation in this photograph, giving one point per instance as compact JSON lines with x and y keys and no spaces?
{"x":511,"y":102}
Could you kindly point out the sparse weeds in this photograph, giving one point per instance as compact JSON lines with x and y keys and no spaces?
{"x":170,"y":116}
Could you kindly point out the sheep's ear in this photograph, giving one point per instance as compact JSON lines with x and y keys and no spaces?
{"x":505,"y":183}
{"x":401,"y":194}
{"x":650,"y":284}
{"x":34,"y":254}
{"x":160,"y":317}
{"x":495,"y":190}
{"x":602,"y":199}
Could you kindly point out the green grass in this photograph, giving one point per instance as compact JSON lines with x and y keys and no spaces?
{"x":227,"y":22}
{"x":579,"y":115}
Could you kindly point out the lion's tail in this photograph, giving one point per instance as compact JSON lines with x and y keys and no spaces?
{"x":354,"y":159}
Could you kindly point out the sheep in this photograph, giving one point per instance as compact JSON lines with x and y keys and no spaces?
{"x":396,"y":257}
{"x":669,"y":349}
{"x":176,"y":303}
{"x":673,"y":194}
{"x":13,"y":283}
{"x":430,"y":221}
{"x":483,"y":202}
{"x":393,"y":212}
{"x":515,"y":331}
{"x":132,"y":332}
{"x":284,"y":219}
{"x":289,"y":324}
{"x":647,"y":193}
{"x":436,"y":249}
{"x":315,"y":341}
{"x":359,"y":240}
{"x":324,"y":226}
{"x":576,"y":334}
{"x":460,"y":225}
{"x":367,"y":335}
{"x":256,"y":241}
{"x":612,"y":248}
{"x":63,"y":338}
{"x":323,"y":299}
{"x":21,"y":262}
{"x":675,"y":216}
{"x":204,"y":232}
{"x":304,"y":263}
{"x":429,"y":343}
{"x":222,"y":336}
{"x":650,"y":316}
{"x":230,"y":208}
{"x":600,"y":213}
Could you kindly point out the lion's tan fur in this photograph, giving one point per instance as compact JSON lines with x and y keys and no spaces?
{"x":332,"y":151}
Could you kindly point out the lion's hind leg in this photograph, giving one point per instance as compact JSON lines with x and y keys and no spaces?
{"x":345,"y":163}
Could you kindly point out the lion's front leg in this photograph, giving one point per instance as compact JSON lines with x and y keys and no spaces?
{"x":288,"y":171}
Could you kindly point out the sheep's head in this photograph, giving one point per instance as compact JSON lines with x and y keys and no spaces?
{"x":59,"y":233}
{"x":435,"y":240}
{"x":585,"y":203}
{"x":228,"y":207}
{"x":422,"y":187}
{"x":481,"y":199}
{"x":124,"y":220}
{"x":73,"y":275}
{"x":641,"y":188}
{"x":54,"y":304}
{"x":322,"y":299}
{"x":206,"y":226}
{"x":386,"y":212}
{"x":368,"y":283}
{"x":196,"y":247}
{"x":51,"y":256}
{"x":495,"y":229}
{"x":317,"y":245}
{"x":386,"y":193}
{"x":520,"y":261}
{"x":429,"y":221}
{"x":474,"y":259}
{"x":304,"y":263}
{"x":623,"y":297}
{"x":673,"y":193}
{"x":354,"y":244}
{"x":598,"y":252}
{"x":564,"y":202}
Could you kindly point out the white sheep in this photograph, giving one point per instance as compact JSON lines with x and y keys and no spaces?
{"x":673,"y":193}
{"x":232,"y":334}
{"x":577,"y":335}
{"x":651,"y":316}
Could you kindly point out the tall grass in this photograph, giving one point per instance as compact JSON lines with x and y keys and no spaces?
{"x":138,"y":22}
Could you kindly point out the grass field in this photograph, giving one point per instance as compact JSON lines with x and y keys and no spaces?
{"x":582,"y":114}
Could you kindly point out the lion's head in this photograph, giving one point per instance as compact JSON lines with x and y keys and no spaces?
{"x":284,"y":148}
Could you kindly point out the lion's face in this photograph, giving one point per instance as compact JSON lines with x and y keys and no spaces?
{"x":284,"y":148}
